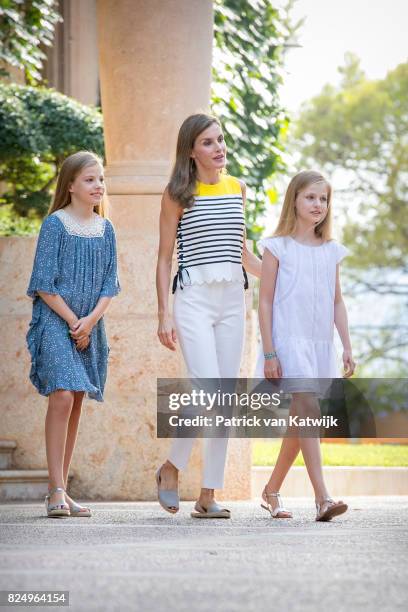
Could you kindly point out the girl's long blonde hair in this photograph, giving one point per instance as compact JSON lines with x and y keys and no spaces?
{"x":182,"y":184}
{"x":287,"y":220}
{"x":70,"y":169}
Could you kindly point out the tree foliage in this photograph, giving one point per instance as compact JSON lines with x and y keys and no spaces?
{"x":359,"y":130}
{"x":24,"y":26}
{"x":250,"y":38}
{"x":39,"y":128}
{"x":362,"y":128}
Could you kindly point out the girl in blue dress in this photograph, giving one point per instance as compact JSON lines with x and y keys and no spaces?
{"x":73,"y":281}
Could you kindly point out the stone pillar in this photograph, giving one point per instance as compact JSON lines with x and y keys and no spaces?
{"x":155,"y":69}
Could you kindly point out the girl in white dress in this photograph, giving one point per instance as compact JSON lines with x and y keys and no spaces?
{"x":300,"y":294}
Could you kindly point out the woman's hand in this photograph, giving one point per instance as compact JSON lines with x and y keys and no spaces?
{"x":167,"y":333}
{"x":272,"y":368}
{"x":348,"y":363}
{"x":82,"y":328}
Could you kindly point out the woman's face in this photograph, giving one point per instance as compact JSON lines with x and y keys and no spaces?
{"x":312,"y":202}
{"x":209,"y":150}
{"x":89,"y":185}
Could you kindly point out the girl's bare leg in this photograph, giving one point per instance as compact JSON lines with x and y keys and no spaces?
{"x":72,"y":434}
{"x":306,"y":404}
{"x":288,"y":452}
{"x":56,"y":426}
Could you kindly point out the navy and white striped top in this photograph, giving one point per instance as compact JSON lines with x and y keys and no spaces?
{"x":210,"y":235}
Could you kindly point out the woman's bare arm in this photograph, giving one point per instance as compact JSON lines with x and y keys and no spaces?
{"x":251,"y":262}
{"x":170,"y":215}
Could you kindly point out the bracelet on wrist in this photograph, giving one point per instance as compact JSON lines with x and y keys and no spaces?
{"x":271,"y":355}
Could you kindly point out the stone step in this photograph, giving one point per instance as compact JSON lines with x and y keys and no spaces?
{"x":6,"y":453}
{"x":23,"y":485}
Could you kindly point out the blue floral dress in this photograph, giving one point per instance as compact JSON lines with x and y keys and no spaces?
{"x":78,"y":262}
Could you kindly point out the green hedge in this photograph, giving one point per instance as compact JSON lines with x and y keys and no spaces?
{"x":39,"y":128}
{"x":265,"y":452}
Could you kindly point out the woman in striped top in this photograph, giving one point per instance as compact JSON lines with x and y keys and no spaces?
{"x":203,"y":210}
{"x":210,"y":235}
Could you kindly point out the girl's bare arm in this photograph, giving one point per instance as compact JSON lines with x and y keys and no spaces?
{"x":58,"y":305}
{"x":269,"y":273}
{"x":341,"y":323}
{"x":83,"y":327}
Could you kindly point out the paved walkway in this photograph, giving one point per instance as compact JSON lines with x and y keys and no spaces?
{"x":134,"y":556}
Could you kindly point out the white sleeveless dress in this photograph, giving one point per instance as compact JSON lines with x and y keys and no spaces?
{"x":303,"y":308}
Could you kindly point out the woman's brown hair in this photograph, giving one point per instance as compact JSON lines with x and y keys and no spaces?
{"x":182,"y":184}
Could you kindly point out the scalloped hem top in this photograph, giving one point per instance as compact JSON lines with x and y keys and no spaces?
{"x":210,"y":235}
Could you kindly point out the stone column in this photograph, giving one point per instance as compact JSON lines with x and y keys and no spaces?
{"x":155,"y":69}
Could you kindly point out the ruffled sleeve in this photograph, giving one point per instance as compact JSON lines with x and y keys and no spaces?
{"x":45,"y":272}
{"x":341,"y":252}
{"x":111,"y":285}
{"x":274,"y":245}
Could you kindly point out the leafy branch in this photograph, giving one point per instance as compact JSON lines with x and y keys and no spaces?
{"x":24,"y":26}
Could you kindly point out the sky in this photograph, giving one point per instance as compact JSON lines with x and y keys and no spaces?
{"x":374,"y":30}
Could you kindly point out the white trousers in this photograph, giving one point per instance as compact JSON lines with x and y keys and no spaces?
{"x":210,"y":322}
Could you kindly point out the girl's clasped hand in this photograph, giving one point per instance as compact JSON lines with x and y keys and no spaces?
{"x":80,"y":332}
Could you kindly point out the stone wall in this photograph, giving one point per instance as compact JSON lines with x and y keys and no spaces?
{"x":155,"y":69}
{"x":117,"y":450}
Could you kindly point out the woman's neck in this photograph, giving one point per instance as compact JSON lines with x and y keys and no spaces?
{"x":210,"y":177}
{"x":81,"y":210}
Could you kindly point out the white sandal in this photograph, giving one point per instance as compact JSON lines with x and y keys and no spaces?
{"x":274,"y":512}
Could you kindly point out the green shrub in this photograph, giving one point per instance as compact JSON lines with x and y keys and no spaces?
{"x":14,"y":225}
{"x":40,"y":128}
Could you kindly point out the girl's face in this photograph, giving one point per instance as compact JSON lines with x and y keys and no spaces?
{"x":209,"y":150}
{"x":89,"y":185}
{"x":311,"y":203}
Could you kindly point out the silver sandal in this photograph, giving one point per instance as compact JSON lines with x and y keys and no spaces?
{"x":274,"y":512}
{"x":57,"y":510}
{"x":214,"y":511}
{"x":334,"y":509}
{"x":168,"y":498}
